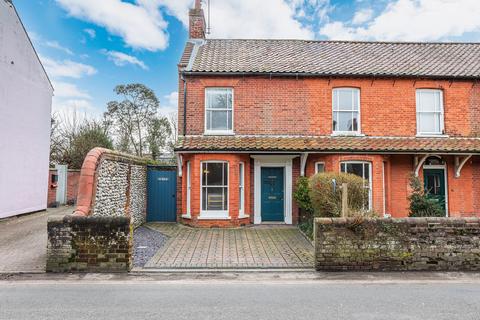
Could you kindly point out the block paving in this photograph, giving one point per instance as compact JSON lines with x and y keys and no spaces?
{"x":268,"y":247}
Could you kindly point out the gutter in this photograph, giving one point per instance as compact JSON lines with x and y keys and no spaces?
{"x":323,"y":75}
{"x":184,"y":104}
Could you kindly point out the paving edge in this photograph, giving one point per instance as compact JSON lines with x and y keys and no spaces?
{"x":218,"y":270}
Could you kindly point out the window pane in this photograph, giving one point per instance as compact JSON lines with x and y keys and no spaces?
{"x":355,"y":168}
{"x":427,"y":122}
{"x":225,"y":174}
{"x":225,"y":199}
{"x":219,"y":98}
{"x":345,"y":100}
{"x":204,"y":198}
{"x":208,"y":115}
{"x":427,"y":100}
{"x":214,"y":174}
{"x":240,"y":174}
{"x":355,"y":121}
{"x":214,"y":198}
{"x":240,"y":200}
{"x":204,"y":174}
{"x":366,"y":171}
{"x":219,"y":120}
{"x":320,"y":167}
{"x":344,"y":122}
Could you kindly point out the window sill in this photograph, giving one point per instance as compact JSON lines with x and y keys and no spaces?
{"x":243,"y":216}
{"x":218,"y":133}
{"x":347,"y":134}
{"x":206,"y":216}
{"x":186,"y":216}
{"x":419,"y":135}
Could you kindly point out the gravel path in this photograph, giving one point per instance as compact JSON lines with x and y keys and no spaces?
{"x":146,"y":243}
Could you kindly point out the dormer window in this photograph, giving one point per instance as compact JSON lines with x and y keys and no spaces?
{"x":346,"y":110}
{"x":219,"y":111}
{"x":430,"y":116}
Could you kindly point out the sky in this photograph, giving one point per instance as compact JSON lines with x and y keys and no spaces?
{"x":90,"y":46}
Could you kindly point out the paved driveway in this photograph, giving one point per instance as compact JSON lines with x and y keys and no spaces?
{"x":266,"y":247}
{"x":23,"y":241}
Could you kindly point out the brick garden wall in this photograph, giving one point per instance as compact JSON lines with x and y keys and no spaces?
{"x":415,"y":244}
{"x":113,"y":184}
{"x":89,"y":244}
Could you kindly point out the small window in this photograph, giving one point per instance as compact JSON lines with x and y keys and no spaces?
{"x":241,"y":188}
{"x":363,"y":170}
{"x":346,"y":110}
{"x":430,"y":115}
{"x":319,"y":167}
{"x":218,"y":110}
{"x":215,"y":187}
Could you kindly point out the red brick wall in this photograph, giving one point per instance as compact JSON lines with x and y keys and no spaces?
{"x":304,"y":106}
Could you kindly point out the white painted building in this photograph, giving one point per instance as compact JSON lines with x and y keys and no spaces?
{"x":25,"y":108}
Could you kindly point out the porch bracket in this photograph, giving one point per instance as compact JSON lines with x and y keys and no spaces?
{"x":179,"y":164}
{"x":460,"y":163}
{"x":419,"y":163}
{"x":303,"y":163}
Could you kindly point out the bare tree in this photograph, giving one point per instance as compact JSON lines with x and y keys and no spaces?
{"x":173,"y":119}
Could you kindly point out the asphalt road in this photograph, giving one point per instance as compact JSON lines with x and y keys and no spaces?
{"x":232,"y":300}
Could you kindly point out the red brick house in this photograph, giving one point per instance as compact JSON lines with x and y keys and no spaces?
{"x":255,"y":115}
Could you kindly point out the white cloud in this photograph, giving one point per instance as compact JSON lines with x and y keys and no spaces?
{"x":84,"y":106}
{"x":413,"y":20}
{"x":122,"y":59}
{"x":58,"y":46}
{"x":137,"y":26}
{"x":169,"y":104}
{"x":69,"y":90}
{"x":362,"y":16}
{"x":91,"y":33}
{"x":256,"y":19}
{"x":67,"y":68}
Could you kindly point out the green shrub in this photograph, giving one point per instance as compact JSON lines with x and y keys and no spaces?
{"x":327,"y":202}
{"x":302,"y":197}
{"x":420,"y":203}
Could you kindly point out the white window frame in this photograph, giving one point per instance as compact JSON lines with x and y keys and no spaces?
{"x":370,"y":189}
{"x":441,"y":129}
{"x":189,"y":190}
{"x":316,"y":166}
{"x":359,"y":124}
{"x":214,"y":214}
{"x":241,"y":189}
{"x":218,"y":132}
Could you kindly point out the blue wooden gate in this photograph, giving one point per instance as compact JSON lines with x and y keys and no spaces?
{"x":161,"y":194}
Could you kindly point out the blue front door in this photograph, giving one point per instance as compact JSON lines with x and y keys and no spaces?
{"x":272,"y":194}
{"x":161,"y":195}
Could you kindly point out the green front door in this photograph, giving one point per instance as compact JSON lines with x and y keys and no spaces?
{"x":434,"y":183}
{"x":272,"y":194}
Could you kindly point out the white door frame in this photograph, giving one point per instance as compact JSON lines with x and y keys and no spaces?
{"x":445,"y":173}
{"x":283,"y":161}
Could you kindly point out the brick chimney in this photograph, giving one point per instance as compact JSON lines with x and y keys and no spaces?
{"x":197,"y":25}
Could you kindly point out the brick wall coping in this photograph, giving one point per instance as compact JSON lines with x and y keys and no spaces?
{"x":79,"y":220}
{"x":409,"y":220}
{"x":86,"y":184}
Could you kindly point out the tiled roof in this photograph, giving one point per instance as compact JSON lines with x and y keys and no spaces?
{"x":186,"y":54}
{"x":338,"y":58}
{"x":328,"y":144}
